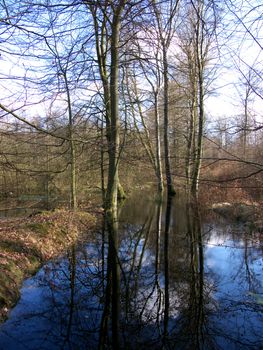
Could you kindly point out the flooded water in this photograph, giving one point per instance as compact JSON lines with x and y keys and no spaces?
{"x":183,"y":282}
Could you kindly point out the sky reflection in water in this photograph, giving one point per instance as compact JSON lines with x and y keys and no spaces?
{"x":198,"y":286}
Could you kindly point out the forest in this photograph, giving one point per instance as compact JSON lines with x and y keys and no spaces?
{"x":77,"y":106}
{"x":106,"y":101}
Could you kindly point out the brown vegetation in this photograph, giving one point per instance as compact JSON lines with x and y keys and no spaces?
{"x":233,"y":183}
{"x":28,"y":242}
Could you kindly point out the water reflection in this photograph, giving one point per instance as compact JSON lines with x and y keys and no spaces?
{"x":193,"y":322}
{"x":112,"y":291}
{"x":163,"y":278}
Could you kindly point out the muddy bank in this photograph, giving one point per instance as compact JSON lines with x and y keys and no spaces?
{"x":26,"y":243}
{"x":246,"y":213}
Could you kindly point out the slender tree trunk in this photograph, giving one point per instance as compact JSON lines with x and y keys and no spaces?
{"x":47,"y":179}
{"x":73,"y":202}
{"x":201,"y":117}
{"x":156,"y":152}
{"x":169,"y":182}
{"x":165,"y":34}
{"x":73,"y":175}
{"x":112,"y":189}
{"x":113,"y":136}
{"x":102,"y":175}
{"x":108,"y":90}
{"x":144,"y":136}
{"x":199,"y":151}
{"x":245,"y":125}
{"x":190,"y":151}
{"x":158,"y":144}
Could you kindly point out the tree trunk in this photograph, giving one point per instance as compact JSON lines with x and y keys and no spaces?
{"x":113,"y":179}
{"x":169,"y":183}
{"x":158,"y":144}
{"x":190,"y":151}
{"x":200,"y":69}
{"x":73,"y":199}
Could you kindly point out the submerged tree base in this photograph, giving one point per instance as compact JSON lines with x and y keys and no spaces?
{"x":121,"y":194}
{"x":172,"y":192}
{"x":27,"y":243}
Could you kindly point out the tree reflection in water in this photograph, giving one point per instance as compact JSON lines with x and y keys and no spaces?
{"x":193,"y":322}
{"x":161,"y":279}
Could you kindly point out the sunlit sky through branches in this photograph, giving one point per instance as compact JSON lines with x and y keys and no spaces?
{"x":238,"y":63}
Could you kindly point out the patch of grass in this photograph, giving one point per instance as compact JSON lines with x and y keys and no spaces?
{"x":41,"y":228}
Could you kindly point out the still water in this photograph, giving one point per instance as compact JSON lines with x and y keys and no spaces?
{"x":185,"y":281}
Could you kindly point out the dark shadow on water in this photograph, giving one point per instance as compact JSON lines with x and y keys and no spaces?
{"x":160,"y":277}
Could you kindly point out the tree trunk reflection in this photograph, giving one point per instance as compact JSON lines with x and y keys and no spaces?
{"x":112,"y":294}
{"x":72,"y":284}
{"x":194,"y":318}
{"x":166,"y":266}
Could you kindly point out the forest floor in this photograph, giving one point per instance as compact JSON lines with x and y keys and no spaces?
{"x":26,"y":243}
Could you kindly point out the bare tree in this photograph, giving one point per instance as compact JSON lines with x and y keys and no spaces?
{"x":165,"y":20}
